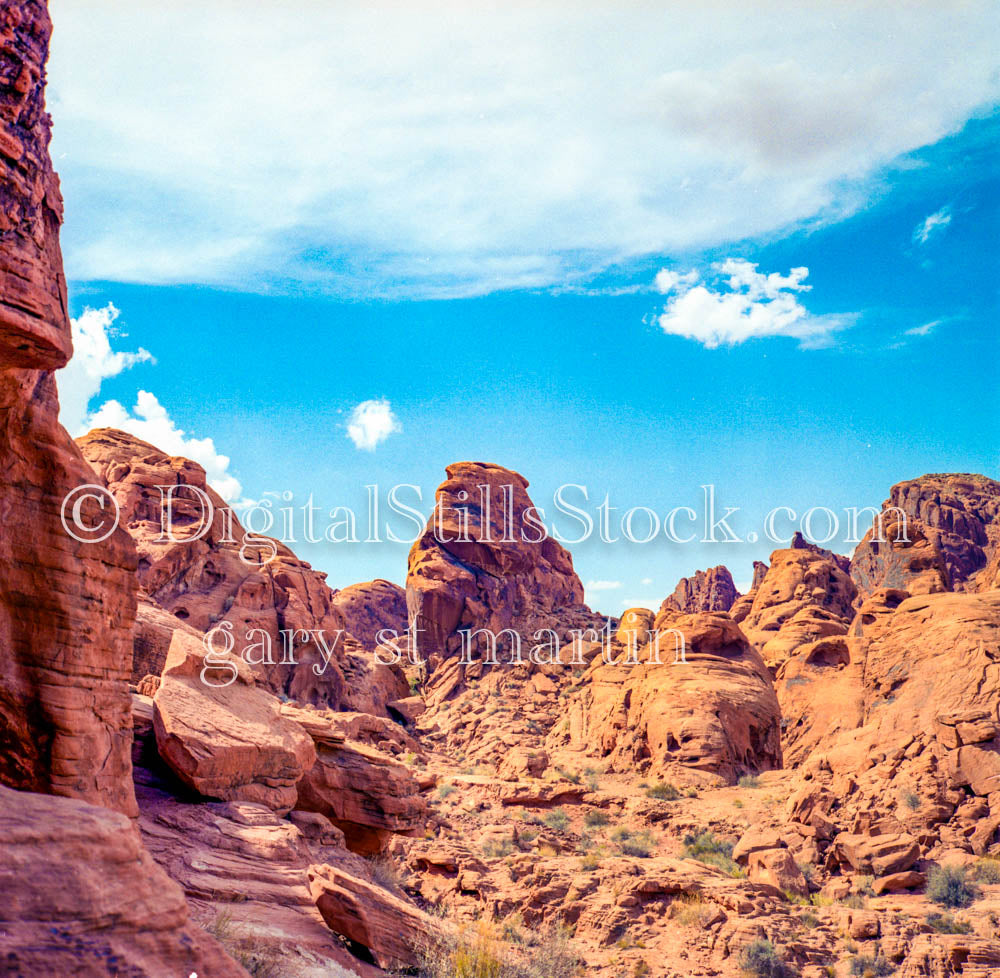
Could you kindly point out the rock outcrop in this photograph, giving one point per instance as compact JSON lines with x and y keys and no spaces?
{"x":714,"y":713}
{"x":805,"y":595}
{"x":473,"y":568}
{"x":83,"y":897}
{"x":363,"y":790}
{"x":208,"y":571}
{"x":367,"y":609}
{"x":222,"y":735}
{"x":711,"y":590}
{"x":66,"y":605}
{"x":940,"y":533}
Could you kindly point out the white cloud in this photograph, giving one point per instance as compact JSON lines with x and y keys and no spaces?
{"x":370,"y":423}
{"x":603,"y":585}
{"x":748,"y":305}
{"x":447,"y":149}
{"x":931,"y":225}
{"x":150,"y":421}
{"x":93,"y":362}
{"x":646,"y":581}
{"x":926,"y":329}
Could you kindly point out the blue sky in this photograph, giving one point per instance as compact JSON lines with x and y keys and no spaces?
{"x":531,"y":271}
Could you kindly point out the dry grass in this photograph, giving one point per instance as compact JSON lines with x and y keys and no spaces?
{"x":259,"y":960}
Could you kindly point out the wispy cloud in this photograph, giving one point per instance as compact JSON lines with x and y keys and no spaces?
{"x":926,"y":329}
{"x":370,"y":423}
{"x":603,"y":585}
{"x":932,"y":225}
{"x":745,"y":305}
{"x":393,"y":150}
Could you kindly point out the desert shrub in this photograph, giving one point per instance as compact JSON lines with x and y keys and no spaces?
{"x":871,"y":965}
{"x":621,"y":834}
{"x":385,"y":873}
{"x":497,"y":848}
{"x":692,"y":910}
{"x":481,"y":953}
{"x":595,"y":819}
{"x":641,"y":969}
{"x":593,"y":782}
{"x":259,"y":960}
{"x":641,"y":845}
{"x":760,"y":960}
{"x":664,"y":791}
{"x":749,"y":781}
{"x":707,"y":848}
{"x":987,"y":870}
{"x":945,"y":923}
{"x":590,"y":862}
{"x":950,"y":886}
{"x":557,"y":820}
{"x":912,"y":800}
{"x":572,"y":776}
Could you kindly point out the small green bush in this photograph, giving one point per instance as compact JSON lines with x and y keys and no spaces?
{"x":987,"y":871}
{"x":557,"y":820}
{"x":707,"y":848}
{"x":641,"y":845}
{"x":446,"y":791}
{"x":749,"y":781}
{"x":913,"y":801}
{"x":595,"y":819}
{"x":760,"y":960}
{"x":945,"y":923}
{"x":664,"y":791}
{"x":951,"y":887}
{"x":871,"y":965}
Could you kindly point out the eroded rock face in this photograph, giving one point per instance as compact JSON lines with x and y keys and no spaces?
{"x":206,"y":577}
{"x":363,"y":790}
{"x":711,"y":590}
{"x":716,"y":713}
{"x":482,"y":581}
{"x":742,"y":605}
{"x":805,"y":595}
{"x":83,"y":897}
{"x":222,"y":735}
{"x":957,"y":519}
{"x":370,"y":607}
{"x":66,"y":607}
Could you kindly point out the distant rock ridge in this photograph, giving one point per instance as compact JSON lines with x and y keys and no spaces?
{"x":711,"y":590}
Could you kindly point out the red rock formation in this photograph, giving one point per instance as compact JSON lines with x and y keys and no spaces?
{"x":223,"y":736}
{"x":361,"y":789}
{"x":204,"y":580}
{"x":368,"y":608}
{"x":742,"y":605}
{"x":805,"y":595}
{"x":716,"y":713}
{"x":471,"y":577}
{"x":711,"y":590}
{"x":66,"y":607}
{"x":955,"y":520}
{"x":81,"y":896}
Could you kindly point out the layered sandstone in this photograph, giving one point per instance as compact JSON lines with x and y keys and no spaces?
{"x":83,"y":897}
{"x":66,"y":606}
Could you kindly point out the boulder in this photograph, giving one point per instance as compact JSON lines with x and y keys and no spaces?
{"x":230,"y":741}
{"x":364,"y":791}
{"x":777,"y":868}
{"x":876,"y":855}
{"x":634,"y":626}
{"x":899,"y":882}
